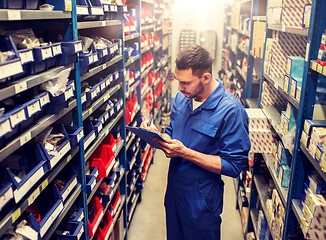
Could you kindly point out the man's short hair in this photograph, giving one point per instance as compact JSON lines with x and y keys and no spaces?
{"x":195,"y":57}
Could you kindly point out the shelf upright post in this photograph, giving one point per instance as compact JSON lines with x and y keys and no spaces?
{"x":123,"y":152}
{"x":248,"y":88}
{"x":80,"y":120}
{"x":305,"y":111}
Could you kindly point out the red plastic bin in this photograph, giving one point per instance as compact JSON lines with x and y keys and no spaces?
{"x":115,"y":203}
{"x":104,"y":159}
{"x":106,"y":228}
{"x":96,"y":214}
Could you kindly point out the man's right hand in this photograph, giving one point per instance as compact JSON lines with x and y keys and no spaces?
{"x":152,"y":127}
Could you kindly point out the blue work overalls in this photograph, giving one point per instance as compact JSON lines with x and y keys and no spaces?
{"x":194,"y":196}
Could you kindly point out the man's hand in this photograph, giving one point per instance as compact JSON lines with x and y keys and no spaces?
{"x":152,"y":127}
{"x":172,"y":148}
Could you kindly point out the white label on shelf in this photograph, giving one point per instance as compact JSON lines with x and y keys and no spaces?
{"x":93,"y":184}
{"x":112,"y":111}
{"x":93,"y":94}
{"x":69,"y":188}
{"x":82,"y":10}
{"x":80,"y":232}
{"x":106,"y":8}
{"x":116,"y":8}
{"x":23,"y":189}
{"x":116,"y":75}
{"x":307,"y":51}
{"x":10,"y":69}
{"x":96,"y":174}
{"x":125,"y":8}
{"x":13,"y":15}
{"x":33,"y":196}
{"x":33,"y":108}
{"x":111,"y":50}
{"x":103,"y":86}
{"x":97,"y":222}
{"x":17,"y":118}
{"x":19,"y":87}
{"x":99,"y":127}
{"x":46,"y":53}
{"x":90,"y":59}
{"x":95,"y":57}
{"x":80,"y":135}
{"x":56,"y":50}
{"x":105,"y":51}
{"x":44,"y":99}
{"x":5,"y":127}
{"x":106,"y":116}
{"x":81,"y":216}
{"x":89,"y":140}
{"x":83,"y":98}
{"x":51,"y":219}
{"x":56,"y":158}
{"x":5,"y":197}
{"x":320,"y":68}
{"x":69,"y":93}
{"x":98,"y":89}
{"x":25,"y":138}
{"x":97,"y":11}
{"x":26,"y":57}
{"x":78,"y":47}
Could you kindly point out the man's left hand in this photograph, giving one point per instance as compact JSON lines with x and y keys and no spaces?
{"x":172,"y":148}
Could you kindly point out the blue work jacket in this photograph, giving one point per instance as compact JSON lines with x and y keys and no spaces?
{"x":217,"y":127}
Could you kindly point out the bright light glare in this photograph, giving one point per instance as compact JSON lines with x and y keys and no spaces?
{"x":198,"y":13}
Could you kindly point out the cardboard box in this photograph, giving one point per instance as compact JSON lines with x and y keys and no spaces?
{"x":305,"y":139}
{"x":258,"y":38}
{"x":295,"y":66}
{"x":309,"y":124}
{"x":316,"y":204}
{"x":316,"y":184}
{"x":312,"y":148}
{"x":284,"y":175}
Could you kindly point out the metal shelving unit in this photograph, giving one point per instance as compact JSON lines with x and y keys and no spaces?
{"x":73,"y":113}
{"x":22,"y":15}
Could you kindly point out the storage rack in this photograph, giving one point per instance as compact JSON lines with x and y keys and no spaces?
{"x":244,"y":86}
{"x":77,"y":115}
{"x":301,"y":159}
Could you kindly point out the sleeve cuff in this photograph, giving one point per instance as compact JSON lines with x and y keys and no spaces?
{"x":227,"y":169}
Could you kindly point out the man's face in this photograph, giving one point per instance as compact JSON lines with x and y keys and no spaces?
{"x":190,"y":85}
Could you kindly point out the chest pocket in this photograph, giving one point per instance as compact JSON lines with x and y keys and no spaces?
{"x":204,"y":128}
{"x":204,"y":138}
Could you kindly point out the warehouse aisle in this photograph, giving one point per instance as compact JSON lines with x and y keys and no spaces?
{"x":148,"y":222}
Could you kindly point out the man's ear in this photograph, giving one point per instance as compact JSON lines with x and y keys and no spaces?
{"x":206,"y":77}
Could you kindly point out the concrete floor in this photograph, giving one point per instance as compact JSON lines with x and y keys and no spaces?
{"x":148,"y":222}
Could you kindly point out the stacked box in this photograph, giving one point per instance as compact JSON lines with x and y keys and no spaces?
{"x":279,"y":49}
{"x":287,"y":123}
{"x":313,"y":207}
{"x":288,"y":13}
{"x":313,"y":138}
{"x":276,"y":214}
{"x":282,"y":48}
{"x":258,"y":39}
{"x":271,"y":96}
{"x":259,"y":132}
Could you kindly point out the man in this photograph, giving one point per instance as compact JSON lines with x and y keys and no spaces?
{"x":207,"y":138}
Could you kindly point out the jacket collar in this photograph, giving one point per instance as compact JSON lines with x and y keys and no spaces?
{"x":215,"y":97}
